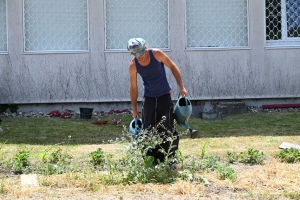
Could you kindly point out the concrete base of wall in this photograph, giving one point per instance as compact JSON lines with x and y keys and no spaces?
{"x":101,"y":106}
{"x":206,"y":109}
{"x":218,"y":109}
{"x":224,"y":109}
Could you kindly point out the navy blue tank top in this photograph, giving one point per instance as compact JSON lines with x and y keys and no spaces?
{"x":154,"y":77}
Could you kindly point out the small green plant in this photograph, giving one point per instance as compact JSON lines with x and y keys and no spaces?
{"x":58,"y":157}
{"x":252,"y":156}
{"x":113,"y":168}
{"x":140,"y":168}
{"x":185,"y":175}
{"x":193,"y":165}
{"x":180,"y":157}
{"x":21,"y":161}
{"x":289,"y":155}
{"x":210,"y":163}
{"x":57,"y":162}
{"x":45,"y":152}
{"x":97,"y":157}
{"x":232,"y":157}
{"x":225,"y":172}
{"x":203,"y":150}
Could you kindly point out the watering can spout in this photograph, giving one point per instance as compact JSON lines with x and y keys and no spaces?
{"x":186,"y":125}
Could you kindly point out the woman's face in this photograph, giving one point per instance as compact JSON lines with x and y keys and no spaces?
{"x":142,"y":58}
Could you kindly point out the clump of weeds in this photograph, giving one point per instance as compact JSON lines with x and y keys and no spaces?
{"x":291,"y":155}
{"x":250,"y":156}
{"x":21,"y":161}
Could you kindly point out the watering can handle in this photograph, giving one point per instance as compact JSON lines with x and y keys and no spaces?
{"x":136,"y":123}
{"x":186,"y":99}
{"x":179,"y":95}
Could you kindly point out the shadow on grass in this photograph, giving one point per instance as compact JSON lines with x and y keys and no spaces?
{"x":50,"y":131}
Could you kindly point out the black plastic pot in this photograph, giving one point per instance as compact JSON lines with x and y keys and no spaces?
{"x":86,"y":113}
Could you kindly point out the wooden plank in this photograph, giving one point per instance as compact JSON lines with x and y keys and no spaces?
{"x":287,"y":145}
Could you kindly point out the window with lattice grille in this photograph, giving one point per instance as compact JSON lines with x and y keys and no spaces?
{"x":56,"y":25}
{"x":282,"y":22}
{"x":147,"y":19}
{"x":3,"y":26}
{"x":217,"y":24}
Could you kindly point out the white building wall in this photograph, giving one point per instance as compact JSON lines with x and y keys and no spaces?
{"x":100,"y":76}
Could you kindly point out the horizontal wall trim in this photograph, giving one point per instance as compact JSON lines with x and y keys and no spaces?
{"x":174,"y":99}
{"x":54,"y":52}
{"x":217,"y":48}
{"x":126,"y":51}
{"x":281,"y":47}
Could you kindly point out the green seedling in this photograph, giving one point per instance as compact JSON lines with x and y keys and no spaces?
{"x":252,"y":156}
{"x":289,"y":155}
{"x":97,"y":157}
{"x":21,"y":161}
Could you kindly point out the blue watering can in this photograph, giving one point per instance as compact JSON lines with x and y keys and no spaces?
{"x":135,"y":127}
{"x":183,"y":111}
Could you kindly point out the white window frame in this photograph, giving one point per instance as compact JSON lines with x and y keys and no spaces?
{"x":285,"y":40}
{"x":284,"y":23}
{"x":218,"y":48}
{"x":6,"y":52}
{"x":55,"y":51}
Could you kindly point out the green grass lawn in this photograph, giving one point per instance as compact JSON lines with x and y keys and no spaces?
{"x":49,"y":131}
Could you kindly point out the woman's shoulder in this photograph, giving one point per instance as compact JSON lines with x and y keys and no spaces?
{"x":155,"y":50}
{"x":158,"y":54}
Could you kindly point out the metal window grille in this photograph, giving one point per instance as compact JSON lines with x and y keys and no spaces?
{"x":56,"y":25}
{"x":3,"y":25}
{"x":147,"y":19}
{"x":216,"y":23}
{"x":282,"y":21}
